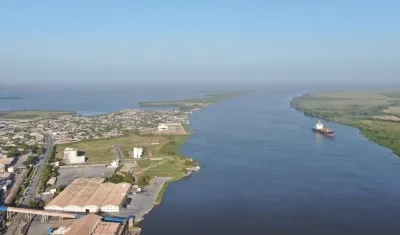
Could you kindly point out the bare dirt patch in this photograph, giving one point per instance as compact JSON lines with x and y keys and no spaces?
{"x":392,"y":110}
{"x":387,"y":118}
{"x":173,"y":129}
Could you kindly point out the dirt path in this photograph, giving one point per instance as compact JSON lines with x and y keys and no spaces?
{"x":161,"y":162}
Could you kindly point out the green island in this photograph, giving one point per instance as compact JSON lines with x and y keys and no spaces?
{"x":32,"y":114}
{"x":375,"y":113}
{"x":209,"y":98}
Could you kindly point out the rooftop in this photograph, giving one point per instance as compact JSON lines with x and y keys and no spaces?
{"x":91,"y":192}
{"x":6,"y":160}
{"x":90,"y":224}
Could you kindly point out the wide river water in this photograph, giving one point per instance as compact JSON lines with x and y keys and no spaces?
{"x":265,"y":172}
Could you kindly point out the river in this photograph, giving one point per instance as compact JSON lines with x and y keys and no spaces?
{"x":265,"y":172}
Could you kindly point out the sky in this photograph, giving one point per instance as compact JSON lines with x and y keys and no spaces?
{"x":208,"y":40}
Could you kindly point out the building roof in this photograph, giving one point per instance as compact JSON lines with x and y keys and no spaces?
{"x":90,"y":224}
{"x":106,"y":228}
{"x":91,"y":192}
{"x":100,"y":195}
{"x":117,"y":194}
{"x":84,"y":225}
{"x":6,"y":160}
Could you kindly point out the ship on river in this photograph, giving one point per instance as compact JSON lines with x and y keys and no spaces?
{"x":319,"y":127}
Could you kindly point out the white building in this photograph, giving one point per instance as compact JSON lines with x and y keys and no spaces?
{"x":71,"y":156}
{"x":162,"y":127}
{"x":137,"y":152}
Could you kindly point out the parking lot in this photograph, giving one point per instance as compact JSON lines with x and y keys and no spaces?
{"x":67,"y":175}
{"x":143,"y":202}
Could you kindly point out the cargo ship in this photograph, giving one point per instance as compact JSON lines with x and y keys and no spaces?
{"x":319,"y":127}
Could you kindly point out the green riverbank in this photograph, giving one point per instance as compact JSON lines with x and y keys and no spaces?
{"x":175,"y":147}
{"x":375,"y":113}
{"x":31,"y":114}
{"x":209,"y":98}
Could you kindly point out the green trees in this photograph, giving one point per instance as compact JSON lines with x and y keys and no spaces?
{"x":60,"y":188}
{"x":48,"y":172}
{"x":31,"y":160}
{"x":171,"y":148}
{"x":36,"y":204}
{"x":143,"y":180}
{"x":13,"y":152}
{"x":121,"y":177}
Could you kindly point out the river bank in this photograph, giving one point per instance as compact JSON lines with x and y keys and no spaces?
{"x":155,"y":191}
{"x":261,"y":161}
{"x":165,"y":161}
{"x":375,"y":113}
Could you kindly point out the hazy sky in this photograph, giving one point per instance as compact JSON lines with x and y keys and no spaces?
{"x":227,"y":39}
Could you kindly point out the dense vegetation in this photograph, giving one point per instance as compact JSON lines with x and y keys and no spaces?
{"x":209,"y":98}
{"x":48,"y":171}
{"x":174,"y":145}
{"x":362,"y":110}
{"x":30,"y":114}
{"x":121,"y":177}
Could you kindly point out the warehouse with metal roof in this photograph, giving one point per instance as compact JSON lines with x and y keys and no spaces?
{"x":90,"y":195}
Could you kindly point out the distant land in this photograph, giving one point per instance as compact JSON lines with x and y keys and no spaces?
{"x":11,"y":97}
{"x":375,"y":113}
{"x":31,"y":114}
{"x":209,"y":98}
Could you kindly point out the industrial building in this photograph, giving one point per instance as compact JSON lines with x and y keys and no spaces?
{"x":71,"y":156}
{"x":137,"y":152}
{"x":90,"y":224}
{"x":90,"y":195}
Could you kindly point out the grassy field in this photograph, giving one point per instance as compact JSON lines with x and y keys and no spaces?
{"x":375,"y":113}
{"x":167,"y":150}
{"x":209,"y":98}
{"x":102,"y":150}
{"x":30,"y":114}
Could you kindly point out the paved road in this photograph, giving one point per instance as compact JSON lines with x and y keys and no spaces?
{"x":143,"y":202}
{"x":42,"y":162}
{"x":119,"y":153}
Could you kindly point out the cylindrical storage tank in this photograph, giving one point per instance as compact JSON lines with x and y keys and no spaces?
{"x":10,"y":169}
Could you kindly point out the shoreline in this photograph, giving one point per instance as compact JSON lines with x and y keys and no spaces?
{"x":365,"y":131}
{"x":184,"y":166}
{"x":163,"y":189}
